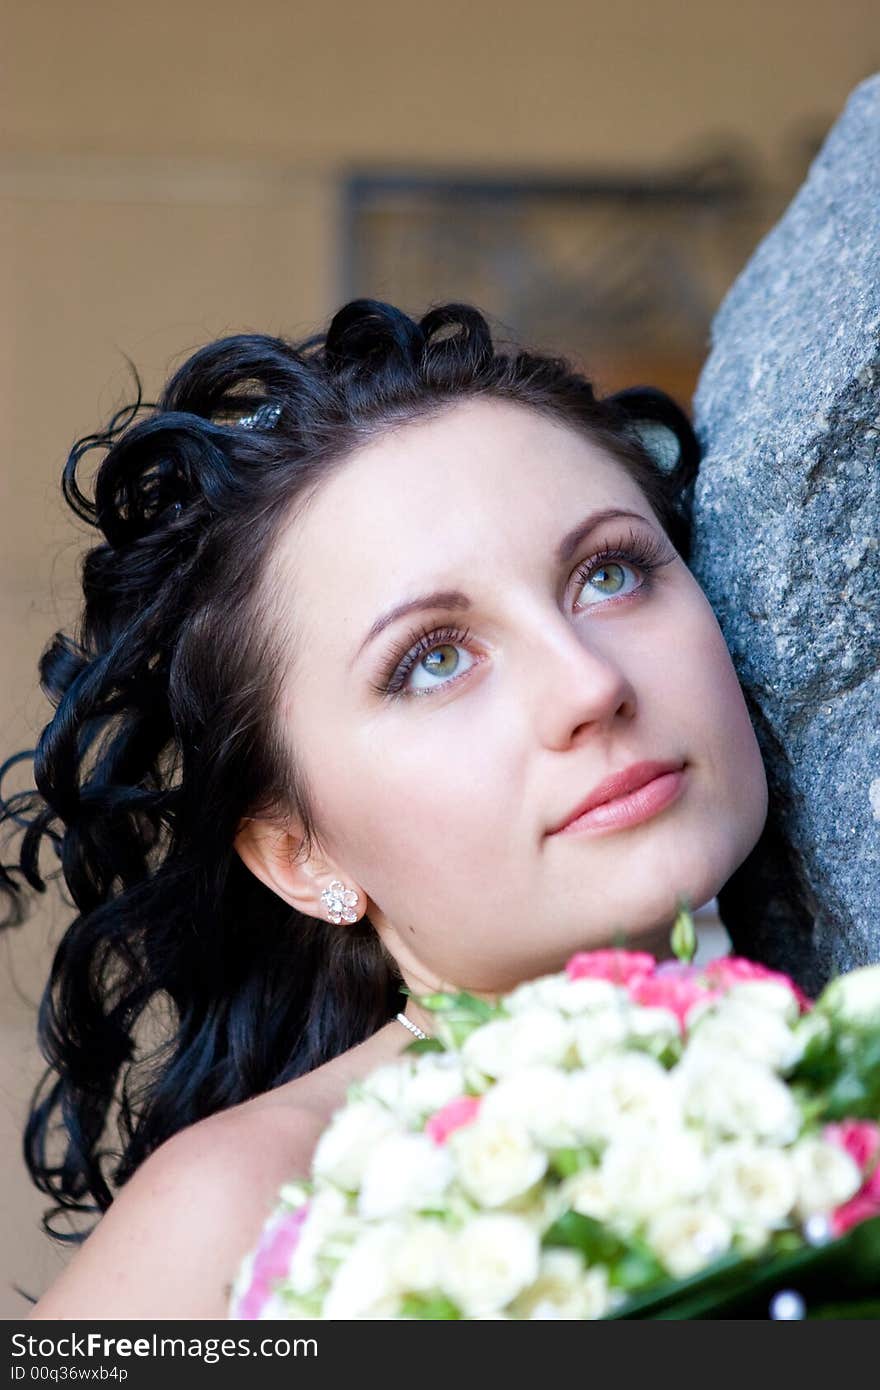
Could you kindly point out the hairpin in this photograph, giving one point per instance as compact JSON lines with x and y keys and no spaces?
{"x":659,"y":442}
{"x":265,"y":418}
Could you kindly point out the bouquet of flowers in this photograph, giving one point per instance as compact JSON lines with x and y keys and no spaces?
{"x":626,"y":1138}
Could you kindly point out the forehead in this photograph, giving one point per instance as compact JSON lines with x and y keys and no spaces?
{"x":477,"y":479}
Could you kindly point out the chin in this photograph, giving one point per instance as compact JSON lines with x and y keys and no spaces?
{"x":695,"y":881}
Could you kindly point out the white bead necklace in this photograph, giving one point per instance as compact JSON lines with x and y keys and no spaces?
{"x":402,"y":1018}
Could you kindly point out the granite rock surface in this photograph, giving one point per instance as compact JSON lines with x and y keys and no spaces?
{"x":786,"y":520}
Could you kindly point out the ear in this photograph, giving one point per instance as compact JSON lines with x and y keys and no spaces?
{"x":270,"y":852}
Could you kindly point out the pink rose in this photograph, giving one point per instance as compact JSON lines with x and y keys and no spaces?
{"x":852,"y":1213}
{"x":861,"y":1140}
{"x":620,"y":967}
{"x":454,"y":1114}
{"x":674,"y":987}
{"x":271,"y":1262}
{"x":734,"y":970}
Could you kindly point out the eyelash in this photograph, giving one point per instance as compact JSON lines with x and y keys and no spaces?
{"x":643,"y":553}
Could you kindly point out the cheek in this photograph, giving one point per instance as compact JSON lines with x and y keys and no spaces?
{"x":691,"y":658}
{"x":431,"y":796}
{"x":441,"y":777}
{"x":716,"y":708}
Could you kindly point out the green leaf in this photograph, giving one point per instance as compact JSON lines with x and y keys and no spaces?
{"x":435,"y":1307}
{"x":463,"y":1004}
{"x":638,"y":1268}
{"x":565,"y":1162}
{"x":864,"y":1309}
{"x":737,"y":1287}
{"x":820,"y":1063}
{"x":419,"y":1045}
{"x":596,"y":1242}
{"x":437,"y":1003}
{"x":844,"y":1068}
{"x":630,"y":1262}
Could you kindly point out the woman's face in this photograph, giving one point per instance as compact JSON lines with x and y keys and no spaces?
{"x":543,"y":671}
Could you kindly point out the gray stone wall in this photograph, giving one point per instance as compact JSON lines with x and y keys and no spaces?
{"x":787,"y":513}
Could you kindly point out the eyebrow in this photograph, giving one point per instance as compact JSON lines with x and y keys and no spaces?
{"x":455,"y":599}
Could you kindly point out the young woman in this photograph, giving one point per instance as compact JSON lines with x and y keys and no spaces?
{"x":391,"y":673}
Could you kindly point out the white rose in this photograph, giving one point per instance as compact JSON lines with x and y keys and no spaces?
{"x":537,"y":1097}
{"x":562,"y":995}
{"x":686,"y":1238}
{"x":810,"y":1027}
{"x":437,"y":1078}
{"x":826,"y":1176}
{"x":363,"y":1285}
{"x":644,"y":1172}
{"x":600,"y":1032}
{"x":419,"y":1262}
{"x":294,"y":1194}
{"x":496,"y":1160}
{"x":491,"y":1260}
{"x":326,"y":1214}
{"x":654,"y":1027}
{"x":587,"y":1192}
{"x":759,"y":1034}
{"x":771,"y":995}
{"x":416,"y":1087}
{"x":281,"y":1306}
{"x":854,"y":998}
{"x":241,"y":1282}
{"x":349,"y":1139}
{"x":386,"y":1084}
{"x":565,"y":1289}
{"x":531,"y":1037}
{"x":619,"y":1088}
{"x":540,"y":1207}
{"x":403,"y":1173}
{"x":735,"y":1096}
{"x":751,"y":1238}
{"x":752,"y":1185}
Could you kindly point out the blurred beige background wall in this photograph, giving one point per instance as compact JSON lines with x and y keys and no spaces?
{"x":171,"y":172}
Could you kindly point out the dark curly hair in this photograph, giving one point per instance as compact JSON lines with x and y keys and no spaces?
{"x":164,"y":733}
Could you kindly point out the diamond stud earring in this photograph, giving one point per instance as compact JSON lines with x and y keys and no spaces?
{"x":339,"y":902}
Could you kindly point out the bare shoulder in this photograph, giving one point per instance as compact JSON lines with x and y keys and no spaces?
{"x":170,"y":1244}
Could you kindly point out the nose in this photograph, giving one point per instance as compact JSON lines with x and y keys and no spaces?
{"x":578,"y":683}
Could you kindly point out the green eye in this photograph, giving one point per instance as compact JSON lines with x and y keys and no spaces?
{"x":442,"y":661}
{"x":437,"y":658}
{"x":621,"y":568}
{"x":608,"y":578}
{"x":434,"y":659}
{"x":432,"y":670}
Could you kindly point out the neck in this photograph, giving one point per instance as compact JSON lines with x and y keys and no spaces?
{"x":656,"y":942}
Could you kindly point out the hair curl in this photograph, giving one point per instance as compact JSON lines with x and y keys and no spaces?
{"x":164,"y":732}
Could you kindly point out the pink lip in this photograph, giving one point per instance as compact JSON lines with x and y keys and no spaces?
{"x":627,"y":798}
